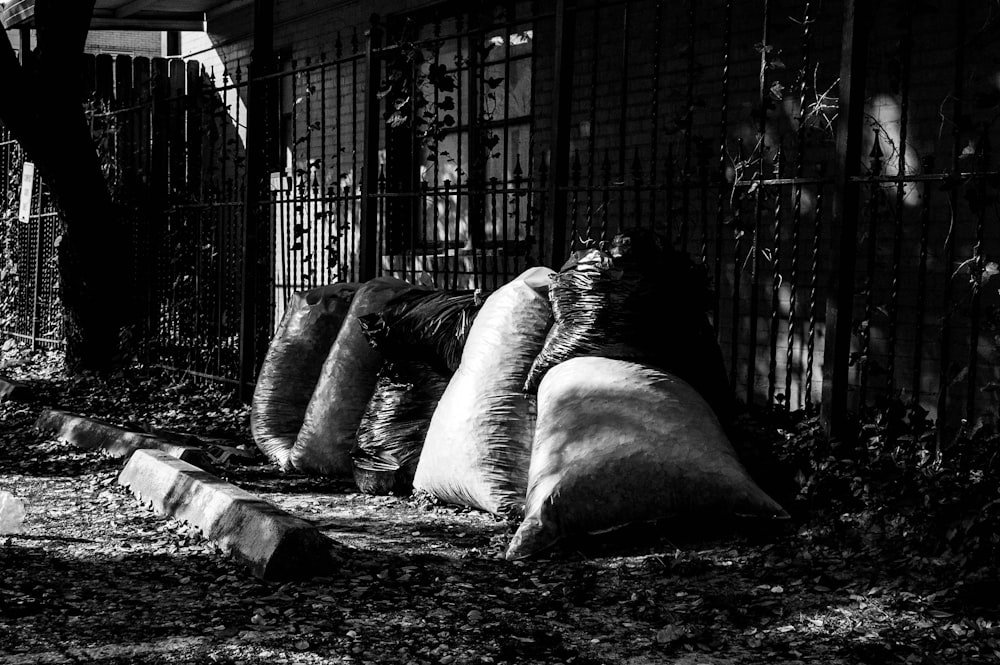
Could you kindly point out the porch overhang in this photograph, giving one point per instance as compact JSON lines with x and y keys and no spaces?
{"x":131,"y":14}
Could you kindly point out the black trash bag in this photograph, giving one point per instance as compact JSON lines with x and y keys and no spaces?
{"x":424,"y":325}
{"x":292,"y":367}
{"x":639,"y":301}
{"x":345,"y":385}
{"x":393,"y":427}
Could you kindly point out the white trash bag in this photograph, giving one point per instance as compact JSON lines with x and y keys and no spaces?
{"x":621,"y":443}
{"x":478,"y":444}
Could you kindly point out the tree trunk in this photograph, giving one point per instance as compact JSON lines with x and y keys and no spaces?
{"x":43,"y":108}
{"x":94,"y":258}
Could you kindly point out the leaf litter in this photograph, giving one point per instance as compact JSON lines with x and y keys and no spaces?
{"x":96,"y":577}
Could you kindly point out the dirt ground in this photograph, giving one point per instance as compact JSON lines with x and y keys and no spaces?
{"x":96,"y":577}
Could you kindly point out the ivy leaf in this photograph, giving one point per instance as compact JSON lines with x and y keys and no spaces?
{"x":397,"y":119}
{"x":446,"y":84}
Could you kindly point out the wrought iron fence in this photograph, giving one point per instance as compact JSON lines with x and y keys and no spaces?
{"x":842,"y":204}
{"x":30,"y":309}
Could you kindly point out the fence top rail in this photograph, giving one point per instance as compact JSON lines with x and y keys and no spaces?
{"x":441,"y":190}
{"x":925,"y":177}
{"x":690,"y":182}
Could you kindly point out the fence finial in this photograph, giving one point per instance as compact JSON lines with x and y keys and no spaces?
{"x":876,"y":154}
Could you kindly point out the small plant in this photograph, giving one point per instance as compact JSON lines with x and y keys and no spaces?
{"x":893,"y":488}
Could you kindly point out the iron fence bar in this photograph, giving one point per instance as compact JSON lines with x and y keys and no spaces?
{"x":368,"y":266}
{"x":381,"y":225}
{"x":772,"y":369}
{"x":976,"y":274}
{"x":339,"y":224}
{"x":759,"y":194}
{"x":950,"y":242}
{"x":720,"y":217}
{"x":623,"y":75}
{"x":813,"y":289}
{"x":518,"y":173}
{"x":654,"y":104}
{"x":839,"y":305}
{"x":326,"y":219}
{"x":537,"y":229}
{"x":565,"y":42}
{"x":573,"y":190}
{"x":496,"y":262}
{"x":668,"y":188}
{"x":595,"y":43}
{"x":864,"y":365}
{"x":925,"y":215}
{"x":906,"y":49}
{"x":800,"y":143}
{"x":477,"y":159}
{"x":423,"y":228}
{"x":688,"y":122}
{"x":703,"y":205}
{"x":314,"y":233}
{"x":436,"y":232}
{"x":459,"y":102}
{"x":734,"y":351}
{"x":356,"y":229}
{"x":506,"y":141}
{"x":447,"y":262}
{"x":637,"y":186}
{"x":754,"y":259}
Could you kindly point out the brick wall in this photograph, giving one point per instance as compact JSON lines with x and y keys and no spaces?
{"x":128,"y":42}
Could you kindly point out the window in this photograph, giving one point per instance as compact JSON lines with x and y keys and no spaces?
{"x":457,"y":101}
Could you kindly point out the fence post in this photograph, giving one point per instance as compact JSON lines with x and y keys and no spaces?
{"x":368,"y":255}
{"x":564,"y":44}
{"x":846,"y":207}
{"x":253,"y":312}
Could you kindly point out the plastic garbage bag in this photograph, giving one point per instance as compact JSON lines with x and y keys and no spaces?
{"x":292,"y":367}
{"x":638,"y":301}
{"x":392,"y":430}
{"x":618,"y":443}
{"x":11,"y":514}
{"x":477,"y":447}
{"x":424,"y":325}
{"x":346,"y":383}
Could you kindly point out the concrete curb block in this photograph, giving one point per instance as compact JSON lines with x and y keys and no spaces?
{"x":93,"y":434}
{"x":12,"y":390}
{"x":275,"y":544}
